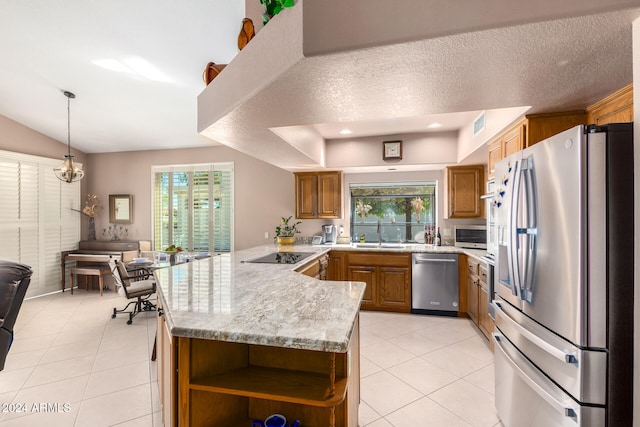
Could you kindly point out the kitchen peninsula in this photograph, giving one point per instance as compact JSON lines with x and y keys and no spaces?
{"x":241,"y":341}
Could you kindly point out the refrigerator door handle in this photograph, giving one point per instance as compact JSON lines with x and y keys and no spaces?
{"x":562,"y":355}
{"x":530,"y":231}
{"x":563,"y":408}
{"x":512,"y":252}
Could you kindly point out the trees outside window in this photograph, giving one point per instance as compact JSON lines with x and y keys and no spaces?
{"x":402,"y":209}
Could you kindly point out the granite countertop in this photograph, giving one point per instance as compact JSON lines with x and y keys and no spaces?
{"x":224,"y":298}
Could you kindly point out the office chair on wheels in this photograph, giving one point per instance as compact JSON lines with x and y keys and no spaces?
{"x":138,"y":288}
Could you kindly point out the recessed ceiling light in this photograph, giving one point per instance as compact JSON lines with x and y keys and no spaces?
{"x":435,"y":125}
{"x":392,"y":169}
{"x":346,"y":132}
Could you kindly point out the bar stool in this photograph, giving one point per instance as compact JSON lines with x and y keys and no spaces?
{"x":86,"y":271}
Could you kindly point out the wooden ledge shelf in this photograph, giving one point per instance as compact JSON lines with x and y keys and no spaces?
{"x":304,"y":388}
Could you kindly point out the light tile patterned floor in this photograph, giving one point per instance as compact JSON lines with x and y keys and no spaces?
{"x":424,"y":371}
{"x":94,"y":371}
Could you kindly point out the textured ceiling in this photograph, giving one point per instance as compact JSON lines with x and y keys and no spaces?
{"x":48,"y":47}
{"x":551,"y":66}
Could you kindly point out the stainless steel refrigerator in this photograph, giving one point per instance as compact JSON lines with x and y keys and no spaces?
{"x":564,"y":280}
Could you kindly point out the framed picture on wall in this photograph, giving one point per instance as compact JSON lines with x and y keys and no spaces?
{"x":120,"y":208}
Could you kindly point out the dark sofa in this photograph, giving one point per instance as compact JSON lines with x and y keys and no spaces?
{"x":14,"y":280}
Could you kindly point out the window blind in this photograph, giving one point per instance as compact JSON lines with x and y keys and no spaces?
{"x":36,"y":220}
{"x":193,"y":207}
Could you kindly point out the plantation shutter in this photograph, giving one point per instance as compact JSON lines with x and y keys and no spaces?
{"x":161,"y":191}
{"x":193,"y":207}
{"x":36,"y":220}
{"x":223,"y":208}
{"x":202,"y":215}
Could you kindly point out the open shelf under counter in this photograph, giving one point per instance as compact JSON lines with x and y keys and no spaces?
{"x":229,"y":383}
{"x":283,"y":385}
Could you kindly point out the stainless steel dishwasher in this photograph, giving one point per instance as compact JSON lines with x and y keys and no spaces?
{"x":434,"y":284}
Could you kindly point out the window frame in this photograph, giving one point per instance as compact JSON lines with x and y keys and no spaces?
{"x":369,"y":227}
{"x":192,"y":170}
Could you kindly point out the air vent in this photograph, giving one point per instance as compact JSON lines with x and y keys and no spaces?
{"x":478,"y":124}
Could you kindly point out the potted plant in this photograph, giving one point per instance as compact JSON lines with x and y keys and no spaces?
{"x":285,"y":232}
{"x":273,"y":7}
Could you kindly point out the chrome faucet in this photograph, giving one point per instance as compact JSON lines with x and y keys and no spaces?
{"x":379,"y":231}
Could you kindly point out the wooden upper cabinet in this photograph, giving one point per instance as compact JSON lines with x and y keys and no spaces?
{"x":465,"y":184}
{"x":306,"y":195}
{"x":542,"y":126}
{"x":329,"y":195}
{"x":495,"y":155}
{"x":615,"y":108}
{"x":508,"y":142}
{"x":513,"y":141}
{"x":530,"y":130}
{"x":318,"y":195}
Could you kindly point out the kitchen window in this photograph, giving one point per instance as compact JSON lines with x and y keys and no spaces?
{"x":193,"y":207}
{"x":402,"y":209}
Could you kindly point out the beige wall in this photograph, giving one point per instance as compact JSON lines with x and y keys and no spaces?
{"x":263,"y":193}
{"x":21,"y":139}
{"x":417,"y":149}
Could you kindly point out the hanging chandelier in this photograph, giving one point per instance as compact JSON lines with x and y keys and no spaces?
{"x":68,"y":171}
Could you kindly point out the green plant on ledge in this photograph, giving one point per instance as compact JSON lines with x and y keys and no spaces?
{"x":287,"y":230}
{"x":273,"y":7}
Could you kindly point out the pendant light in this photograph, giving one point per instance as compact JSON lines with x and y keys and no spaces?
{"x":68,"y":171}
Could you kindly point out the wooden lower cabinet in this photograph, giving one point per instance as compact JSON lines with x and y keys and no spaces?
{"x":369,"y":275}
{"x":388,"y":279}
{"x":227,"y":384}
{"x":336,"y":268}
{"x":472,"y":297}
{"x":316,"y":268}
{"x":166,"y":361}
{"x":478,"y":296}
{"x":395,"y":288}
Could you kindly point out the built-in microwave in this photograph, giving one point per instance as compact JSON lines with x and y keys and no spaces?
{"x":471,"y":236}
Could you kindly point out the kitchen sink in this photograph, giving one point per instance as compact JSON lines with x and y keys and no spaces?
{"x":378,"y":245}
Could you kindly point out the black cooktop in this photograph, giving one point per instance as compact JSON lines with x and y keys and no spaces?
{"x":281,"y":258}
